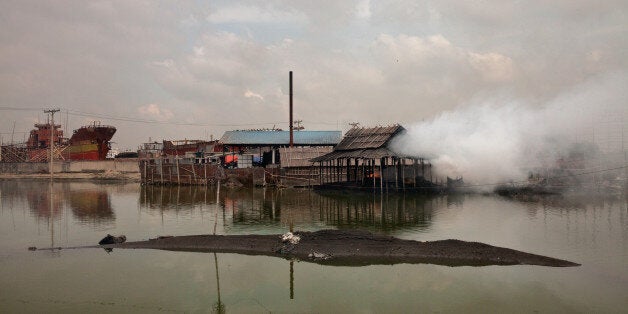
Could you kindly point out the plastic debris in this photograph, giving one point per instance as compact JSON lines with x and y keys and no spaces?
{"x":290,"y":237}
{"x":319,"y":255}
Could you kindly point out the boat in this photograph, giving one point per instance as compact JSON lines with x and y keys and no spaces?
{"x":89,"y":142}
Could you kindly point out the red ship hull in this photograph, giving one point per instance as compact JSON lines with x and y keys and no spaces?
{"x":89,"y":142}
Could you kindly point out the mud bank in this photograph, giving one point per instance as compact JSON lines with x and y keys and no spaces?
{"x":350,"y":248}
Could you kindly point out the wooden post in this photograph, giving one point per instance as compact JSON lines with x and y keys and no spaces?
{"x":403,"y":173}
{"x":430,"y":168}
{"x":194,"y":172}
{"x":372,"y":166}
{"x":414,"y":165}
{"x":176,"y":160}
{"x":161,"y":169}
{"x":381,"y":176}
{"x":362,"y":174}
{"x":320,"y":173}
{"x":329,"y":172}
{"x":396,"y":165}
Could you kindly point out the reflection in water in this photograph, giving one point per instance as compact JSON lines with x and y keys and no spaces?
{"x":590,"y":230}
{"x":90,"y":204}
{"x":91,"y":207}
{"x":305,"y":208}
{"x":44,"y":200}
{"x":219,"y":306}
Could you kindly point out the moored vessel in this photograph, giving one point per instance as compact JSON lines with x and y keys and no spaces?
{"x":89,"y":142}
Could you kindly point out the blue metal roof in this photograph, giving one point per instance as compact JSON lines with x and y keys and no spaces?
{"x":301,"y":138}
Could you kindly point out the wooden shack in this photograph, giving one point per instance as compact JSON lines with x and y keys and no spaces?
{"x":365,"y":160}
{"x":297,"y":167}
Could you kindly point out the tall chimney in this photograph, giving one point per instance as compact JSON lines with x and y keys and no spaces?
{"x":291,"y":129}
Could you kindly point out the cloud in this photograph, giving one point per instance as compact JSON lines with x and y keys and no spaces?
{"x":252,"y":14}
{"x":363,"y":9}
{"x":492,"y":66}
{"x":250,"y":94}
{"x":153,"y":111}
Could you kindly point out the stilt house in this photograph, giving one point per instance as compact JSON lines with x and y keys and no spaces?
{"x":364,"y":159}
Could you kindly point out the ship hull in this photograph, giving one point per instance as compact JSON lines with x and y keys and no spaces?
{"x":89,"y":142}
{"x":85,"y":151}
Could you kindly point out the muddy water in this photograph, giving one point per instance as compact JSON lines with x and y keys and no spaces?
{"x":591,"y":230}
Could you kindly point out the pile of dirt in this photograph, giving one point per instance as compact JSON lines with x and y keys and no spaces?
{"x":338,"y":247}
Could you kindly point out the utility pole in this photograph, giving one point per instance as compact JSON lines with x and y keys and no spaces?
{"x":291,"y":121}
{"x":52,"y":138}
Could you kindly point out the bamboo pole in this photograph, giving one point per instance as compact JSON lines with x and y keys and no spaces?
{"x":176,"y":160}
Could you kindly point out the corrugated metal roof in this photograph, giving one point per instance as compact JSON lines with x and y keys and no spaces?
{"x":368,"y":138}
{"x":365,"y":143}
{"x":301,"y":138}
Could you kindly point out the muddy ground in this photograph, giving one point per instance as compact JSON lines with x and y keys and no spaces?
{"x":339,"y":247}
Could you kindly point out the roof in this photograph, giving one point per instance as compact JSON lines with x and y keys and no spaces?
{"x":301,"y":156}
{"x":263,"y":138}
{"x":368,"y":138}
{"x":365,"y":143}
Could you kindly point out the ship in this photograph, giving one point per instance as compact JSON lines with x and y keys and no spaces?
{"x":89,"y":142}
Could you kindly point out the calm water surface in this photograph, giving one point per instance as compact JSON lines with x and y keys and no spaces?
{"x":591,"y":230}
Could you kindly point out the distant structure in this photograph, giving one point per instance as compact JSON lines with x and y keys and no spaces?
{"x":89,"y":142}
{"x":266,"y":153}
{"x":266,"y":144}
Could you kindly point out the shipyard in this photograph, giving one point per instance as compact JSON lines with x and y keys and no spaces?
{"x":291,"y":157}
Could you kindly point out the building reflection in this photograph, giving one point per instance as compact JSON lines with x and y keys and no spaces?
{"x":89,"y":204}
{"x":91,"y":207}
{"x":299,"y":207}
{"x":42,"y":202}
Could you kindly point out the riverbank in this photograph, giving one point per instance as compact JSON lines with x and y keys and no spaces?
{"x":351,"y":248}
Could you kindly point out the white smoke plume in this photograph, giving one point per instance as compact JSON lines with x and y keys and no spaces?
{"x":499,"y":140}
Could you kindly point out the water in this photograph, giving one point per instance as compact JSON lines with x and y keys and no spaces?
{"x":591,"y":230}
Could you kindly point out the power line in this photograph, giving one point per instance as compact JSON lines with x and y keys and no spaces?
{"x":21,"y":109}
{"x":79,"y":113}
{"x":148,"y":121}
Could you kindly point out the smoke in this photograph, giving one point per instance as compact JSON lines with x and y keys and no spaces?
{"x":499,"y":139}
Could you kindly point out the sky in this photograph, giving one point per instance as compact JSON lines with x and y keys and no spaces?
{"x":195,"y":69}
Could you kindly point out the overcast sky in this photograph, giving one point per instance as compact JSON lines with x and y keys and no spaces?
{"x":175,"y":70}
